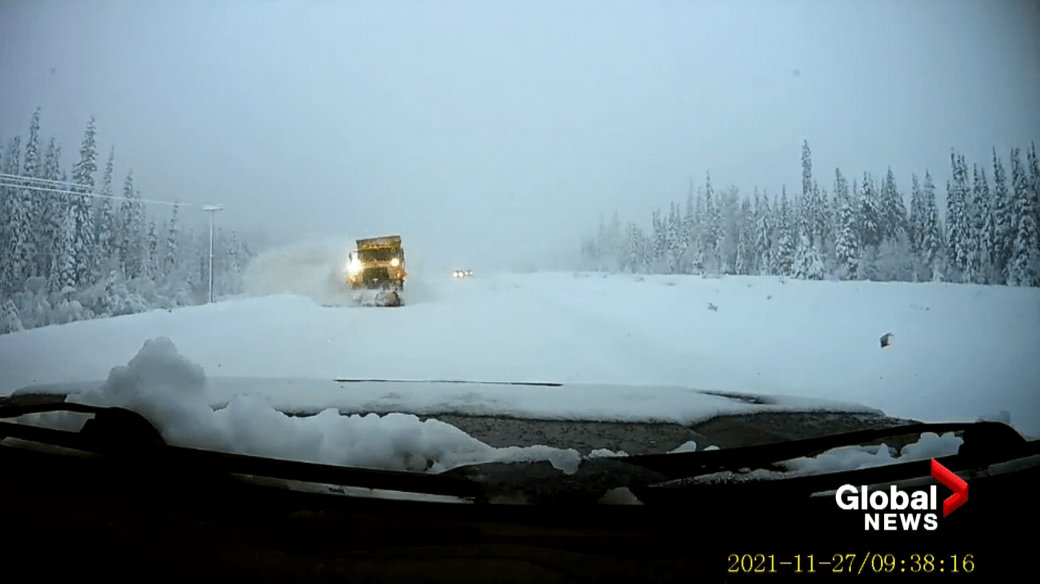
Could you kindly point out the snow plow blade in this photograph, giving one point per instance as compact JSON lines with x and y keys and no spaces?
{"x":385,"y":298}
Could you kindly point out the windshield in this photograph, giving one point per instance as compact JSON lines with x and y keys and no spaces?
{"x":379,"y":255}
{"x":682,"y":218}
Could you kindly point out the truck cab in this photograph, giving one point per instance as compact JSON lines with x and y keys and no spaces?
{"x":378,"y":263}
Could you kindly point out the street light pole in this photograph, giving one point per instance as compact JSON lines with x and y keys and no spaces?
{"x":212,"y":209}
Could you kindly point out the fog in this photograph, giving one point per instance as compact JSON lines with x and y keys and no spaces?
{"x":489,"y":132}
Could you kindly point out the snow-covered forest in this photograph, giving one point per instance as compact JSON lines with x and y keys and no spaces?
{"x":860,"y":230}
{"x":84,"y":248}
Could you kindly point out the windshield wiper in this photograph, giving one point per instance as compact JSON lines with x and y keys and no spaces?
{"x":981,"y":439}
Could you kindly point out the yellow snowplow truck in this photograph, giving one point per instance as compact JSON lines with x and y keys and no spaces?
{"x":376,"y":273}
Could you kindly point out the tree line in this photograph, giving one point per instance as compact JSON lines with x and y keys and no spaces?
{"x":862,"y":231}
{"x":73,"y":250}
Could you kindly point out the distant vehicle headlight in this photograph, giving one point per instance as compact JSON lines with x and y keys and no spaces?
{"x":395,"y":262}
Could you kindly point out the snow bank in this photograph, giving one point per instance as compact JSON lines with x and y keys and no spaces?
{"x":170,"y":391}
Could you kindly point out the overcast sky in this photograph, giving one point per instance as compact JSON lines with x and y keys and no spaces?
{"x":489,"y":129}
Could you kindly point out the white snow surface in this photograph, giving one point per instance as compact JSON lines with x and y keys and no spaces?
{"x":626,"y":348}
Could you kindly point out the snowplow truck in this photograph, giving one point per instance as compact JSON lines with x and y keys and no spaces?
{"x":376,"y":273}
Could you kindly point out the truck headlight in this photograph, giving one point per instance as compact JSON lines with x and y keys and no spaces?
{"x":354,"y":266}
{"x":395,"y":262}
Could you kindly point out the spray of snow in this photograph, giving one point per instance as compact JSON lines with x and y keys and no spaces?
{"x":311,"y":269}
{"x":170,"y":391}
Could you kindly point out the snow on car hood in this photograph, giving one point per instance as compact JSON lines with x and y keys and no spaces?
{"x":376,"y":424}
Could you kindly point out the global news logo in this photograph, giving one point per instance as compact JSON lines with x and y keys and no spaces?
{"x":895,"y":509}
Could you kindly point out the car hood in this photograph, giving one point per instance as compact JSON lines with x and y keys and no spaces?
{"x":635,"y":419}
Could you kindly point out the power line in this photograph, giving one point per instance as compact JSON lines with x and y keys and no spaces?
{"x":6,"y":181}
{"x":37,"y":179}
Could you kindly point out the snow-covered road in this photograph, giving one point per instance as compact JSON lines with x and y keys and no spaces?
{"x":959,"y":351}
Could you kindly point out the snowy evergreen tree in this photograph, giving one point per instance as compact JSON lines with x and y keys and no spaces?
{"x":697,"y":257}
{"x":131,"y":228}
{"x":33,"y":202}
{"x":917,"y":213}
{"x":1003,"y":237}
{"x":12,"y":218}
{"x":9,"y":319}
{"x":807,"y":179}
{"x":823,"y":222}
{"x":745,"y":255}
{"x":807,"y":263}
{"x":682,"y":240}
{"x":13,"y":156}
{"x":202,"y":258}
{"x":51,"y":209}
{"x":30,"y":201}
{"x":764,"y":237}
{"x":1034,"y":181}
{"x":799,"y":217}
{"x":234,"y":253}
{"x":712,"y":227}
{"x":869,"y":215}
{"x":105,"y":226}
{"x":984,"y":227}
{"x":632,"y":250}
{"x":32,"y":148}
{"x":755,"y":266}
{"x":657,"y":247}
{"x":1024,"y":264}
{"x":63,"y":265}
{"x":84,"y":248}
{"x":692,"y":256}
{"x":18,"y":246}
{"x":823,"y":226}
{"x":846,"y":245}
{"x":785,"y":242}
{"x":813,"y":208}
{"x":933,"y":242}
{"x":728,"y":209}
{"x":958,"y":221}
{"x":893,"y":209}
{"x":151,"y":266}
